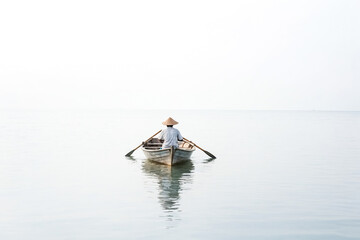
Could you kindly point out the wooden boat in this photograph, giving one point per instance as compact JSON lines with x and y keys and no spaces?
{"x":169,"y":156}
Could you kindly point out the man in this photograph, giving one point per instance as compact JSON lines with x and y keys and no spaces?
{"x":170,"y":135}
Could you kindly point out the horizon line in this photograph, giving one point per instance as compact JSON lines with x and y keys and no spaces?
{"x":179,"y":109}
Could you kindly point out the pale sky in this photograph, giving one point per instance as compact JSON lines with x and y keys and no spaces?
{"x":298,"y":55}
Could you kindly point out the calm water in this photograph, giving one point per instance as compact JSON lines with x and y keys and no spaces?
{"x":278,"y":175}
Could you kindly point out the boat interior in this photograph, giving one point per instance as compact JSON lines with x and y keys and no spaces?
{"x":156,"y":144}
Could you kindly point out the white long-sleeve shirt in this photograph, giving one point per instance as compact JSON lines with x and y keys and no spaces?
{"x":171,"y":136}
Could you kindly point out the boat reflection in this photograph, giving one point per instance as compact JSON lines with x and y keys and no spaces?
{"x":171,"y":181}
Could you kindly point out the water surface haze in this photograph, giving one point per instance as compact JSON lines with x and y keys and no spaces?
{"x":278,"y":175}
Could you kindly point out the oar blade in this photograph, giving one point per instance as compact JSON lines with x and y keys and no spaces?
{"x":129,"y":153}
{"x":209,"y":154}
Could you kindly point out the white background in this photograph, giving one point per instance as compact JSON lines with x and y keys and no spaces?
{"x":297,"y":55}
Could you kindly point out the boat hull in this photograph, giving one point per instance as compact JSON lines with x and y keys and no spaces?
{"x":168,"y":156}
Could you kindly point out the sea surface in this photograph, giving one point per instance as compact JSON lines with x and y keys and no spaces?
{"x":278,"y":175}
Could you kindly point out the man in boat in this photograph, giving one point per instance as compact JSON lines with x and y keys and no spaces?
{"x":170,"y":136}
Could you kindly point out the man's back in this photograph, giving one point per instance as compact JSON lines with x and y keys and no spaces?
{"x":171,"y":136}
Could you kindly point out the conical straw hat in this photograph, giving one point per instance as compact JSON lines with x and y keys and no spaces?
{"x":170,"y":121}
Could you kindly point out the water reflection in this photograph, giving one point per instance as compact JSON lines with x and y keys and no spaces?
{"x":171,"y":182}
{"x":208,"y":160}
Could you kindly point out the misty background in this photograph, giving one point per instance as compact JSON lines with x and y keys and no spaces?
{"x":270,"y":55}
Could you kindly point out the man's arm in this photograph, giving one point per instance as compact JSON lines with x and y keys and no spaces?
{"x":179,"y":137}
{"x":161,"y":135}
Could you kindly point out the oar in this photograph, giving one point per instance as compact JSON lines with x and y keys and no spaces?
{"x":209,"y":154}
{"x":131,"y":152}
